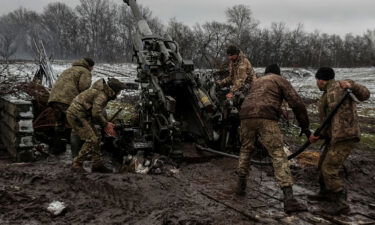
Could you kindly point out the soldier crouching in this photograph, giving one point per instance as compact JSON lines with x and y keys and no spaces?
{"x":85,"y":111}
{"x":69,"y":84}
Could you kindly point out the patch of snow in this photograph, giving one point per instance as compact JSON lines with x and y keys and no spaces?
{"x":26,"y":142}
{"x":28,"y":114}
{"x":26,"y":126}
{"x":21,"y":99}
{"x":56,"y":208}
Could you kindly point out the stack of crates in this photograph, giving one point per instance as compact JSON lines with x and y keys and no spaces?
{"x":16,"y":125}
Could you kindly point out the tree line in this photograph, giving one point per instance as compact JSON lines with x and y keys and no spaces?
{"x":104,"y":31}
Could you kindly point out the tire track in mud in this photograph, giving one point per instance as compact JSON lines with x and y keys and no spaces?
{"x":19,"y":177}
{"x":104,"y":191}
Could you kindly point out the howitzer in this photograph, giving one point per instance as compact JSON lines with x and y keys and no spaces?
{"x":172,"y":100}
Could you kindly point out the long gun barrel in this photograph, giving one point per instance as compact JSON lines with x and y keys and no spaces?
{"x":142,"y":25}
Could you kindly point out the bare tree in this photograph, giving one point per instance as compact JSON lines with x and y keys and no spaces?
{"x":183,"y":35}
{"x":104,"y":30}
{"x":240,"y":17}
{"x":8,"y":35}
{"x":59,"y":21}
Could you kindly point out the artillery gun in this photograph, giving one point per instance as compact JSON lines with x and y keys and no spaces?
{"x":173,"y":101}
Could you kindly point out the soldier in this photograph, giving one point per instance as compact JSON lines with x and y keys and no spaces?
{"x":68,"y":85}
{"x":259,"y":116}
{"x":341,"y":136}
{"x":85,"y":111}
{"x":240,"y":71}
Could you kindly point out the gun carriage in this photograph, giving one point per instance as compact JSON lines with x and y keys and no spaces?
{"x":175,"y":102}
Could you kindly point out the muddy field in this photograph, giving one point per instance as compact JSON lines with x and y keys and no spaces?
{"x":199,"y":193}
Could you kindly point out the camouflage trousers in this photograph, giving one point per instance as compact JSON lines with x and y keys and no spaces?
{"x":330,"y":163}
{"x":87,"y":132}
{"x":271,"y":138}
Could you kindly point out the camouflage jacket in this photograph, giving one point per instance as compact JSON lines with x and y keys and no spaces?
{"x":71,"y":82}
{"x":266,"y":97}
{"x":240,"y":73}
{"x":344,"y":125}
{"x":91,"y":103}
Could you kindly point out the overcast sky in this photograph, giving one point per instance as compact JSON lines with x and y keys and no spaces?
{"x":329,"y":16}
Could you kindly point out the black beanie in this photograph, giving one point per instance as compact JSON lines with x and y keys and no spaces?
{"x":273,"y":68}
{"x":90,"y":62}
{"x":115,"y":85}
{"x":233,"y":50}
{"x":325,"y":73}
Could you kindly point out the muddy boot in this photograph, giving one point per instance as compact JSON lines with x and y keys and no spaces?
{"x":241,"y":186}
{"x":75,"y":144}
{"x":77,"y":166}
{"x":341,"y":205}
{"x":322,"y":195}
{"x":101,"y":167}
{"x":58,"y":142}
{"x":290,"y":203}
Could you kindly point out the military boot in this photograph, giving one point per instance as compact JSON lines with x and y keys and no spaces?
{"x":341,"y":205}
{"x":241,"y":185}
{"x":58,"y":141}
{"x":322,"y":195}
{"x":290,"y":203}
{"x":101,"y":167}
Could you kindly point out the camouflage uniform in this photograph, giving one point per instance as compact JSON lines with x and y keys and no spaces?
{"x":68,"y":85}
{"x":259,"y":115}
{"x":343,"y":132}
{"x":241,"y":73}
{"x":71,"y":82}
{"x":272,"y":139}
{"x":85,"y":110}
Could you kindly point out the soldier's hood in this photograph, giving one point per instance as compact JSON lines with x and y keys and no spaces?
{"x":240,"y":58}
{"x":81,"y":62}
{"x":101,"y":85}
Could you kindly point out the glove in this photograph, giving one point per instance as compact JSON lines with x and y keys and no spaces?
{"x":109,"y":130}
{"x":229,"y":95}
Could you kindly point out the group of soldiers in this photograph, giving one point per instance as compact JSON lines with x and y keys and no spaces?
{"x":261,"y":111}
{"x":81,"y":105}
